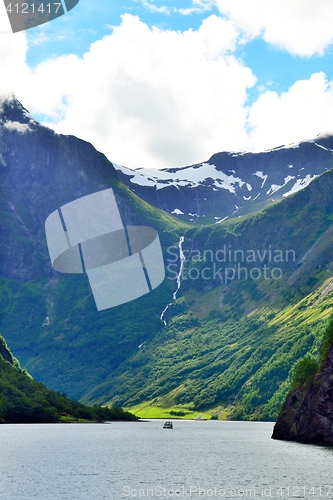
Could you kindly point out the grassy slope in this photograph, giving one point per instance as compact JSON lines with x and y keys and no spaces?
{"x":246,"y":367}
{"x":79,"y":340}
{"x":224,"y":347}
{"x":240,"y":354}
{"x":23,"y":400}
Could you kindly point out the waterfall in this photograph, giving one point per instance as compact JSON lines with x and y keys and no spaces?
{"x":163,"y":313}
{"x":182,"y":262}
{"x":182,"y":259}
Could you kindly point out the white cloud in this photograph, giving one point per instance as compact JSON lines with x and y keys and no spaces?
{"x":151,"y":7}
{"x":12,"y":61}
{"x":303,"y":27}
{"x":154,"y":98}
{"x":148,"y":97}
{"x":39,"y":38}
{"x":21,"y":128}
{"x":198,"y":6}
{"x":303,"y":112}
{"x":4,"y":20}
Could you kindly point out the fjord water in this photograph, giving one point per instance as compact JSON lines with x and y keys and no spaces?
{"x":211,"y":459}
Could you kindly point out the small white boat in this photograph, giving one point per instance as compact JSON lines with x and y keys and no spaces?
{"x":168,"y":425}
{"x":200,"y":417}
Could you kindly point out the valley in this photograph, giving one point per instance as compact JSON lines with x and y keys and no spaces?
{"x":243,"y":300}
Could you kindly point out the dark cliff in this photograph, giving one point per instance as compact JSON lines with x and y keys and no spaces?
{"x":5,"y":352}
{"x":39,"y":171}
{"x":48,"y":318}
{"x":307,"y":414}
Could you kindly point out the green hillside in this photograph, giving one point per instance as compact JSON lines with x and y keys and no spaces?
{"x":229,"y":346}
{"x":254,"y":295}
{"x":232,"y":348}
{"x":238,"y":369}
{"x":23,"y":400}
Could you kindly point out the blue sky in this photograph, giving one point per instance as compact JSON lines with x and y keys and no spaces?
{"x":155,"y":83}
{"x":90,"y":21}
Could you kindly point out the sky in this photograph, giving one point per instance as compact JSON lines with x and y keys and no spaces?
{"x":154,"y":84}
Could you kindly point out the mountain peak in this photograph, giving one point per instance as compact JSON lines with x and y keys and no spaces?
{"x":13,"y":116}
{"x":229,"y":185}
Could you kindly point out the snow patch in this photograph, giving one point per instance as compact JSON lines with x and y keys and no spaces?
{"x":224,"y":218}
{"x":276,"y":187}
{"x":300,"y":184}
{"x":288,"y":178}
{"x":287,"y":146}
{"x":273,"y":189}
{"x":242,"y":153}
{"x":322,"y":147}
{"x":136,"y":177}
{"x":189,"y":176}
{"x":262,"y":176}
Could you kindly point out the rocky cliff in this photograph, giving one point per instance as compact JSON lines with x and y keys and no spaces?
{"x":39,"y":172}
{"x":307,"y":414}
{"x":5,"y":352}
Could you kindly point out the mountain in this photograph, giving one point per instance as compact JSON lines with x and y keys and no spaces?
{"x":23,"y":400}
{"x":307,"y":413}
{"x":225,"y":335}
{"x":49,"y":319}
{"x":235,"y":345}
{"x":231,"y":184}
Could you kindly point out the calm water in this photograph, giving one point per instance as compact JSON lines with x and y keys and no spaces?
{"x":141,"y":460}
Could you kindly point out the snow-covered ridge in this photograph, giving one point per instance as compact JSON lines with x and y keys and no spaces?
{"x":197,"y":175}
{"x":231,"y":184}
{"x":191,"y":177}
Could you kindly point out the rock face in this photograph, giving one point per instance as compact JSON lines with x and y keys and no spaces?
{"x":5,"y":352}
{"x":307,"y":414}
{"x":39,"y":171}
